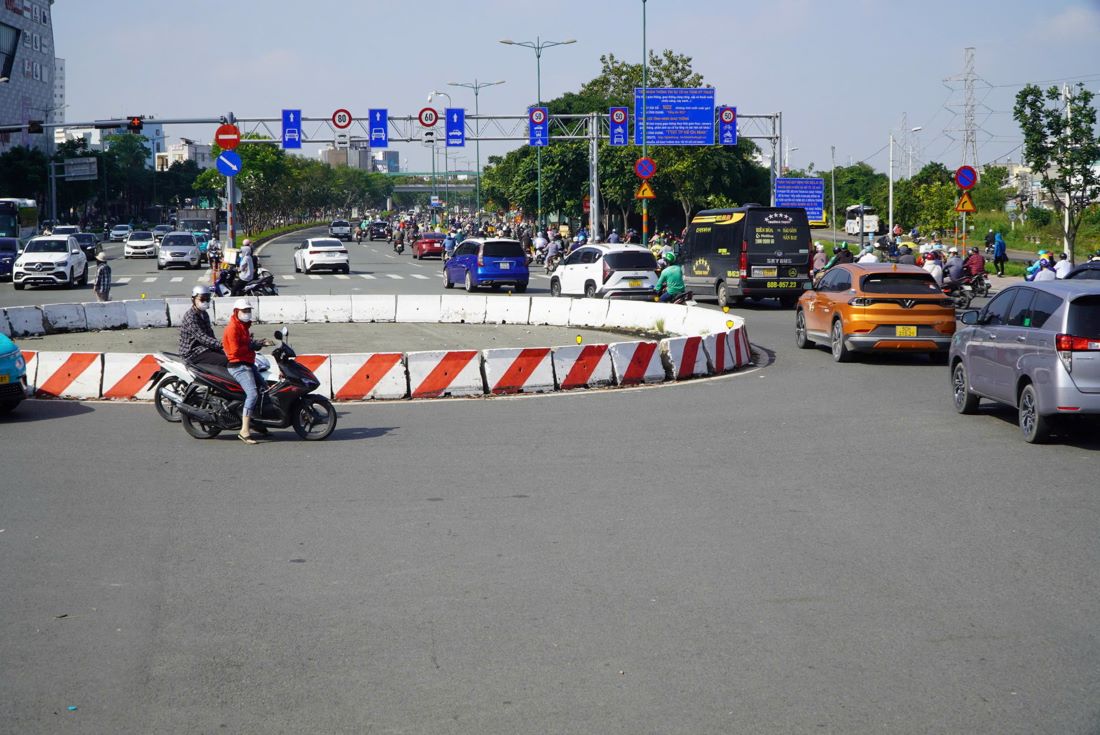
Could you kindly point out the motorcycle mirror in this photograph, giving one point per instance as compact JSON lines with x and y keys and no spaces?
{"x":279,"y":334}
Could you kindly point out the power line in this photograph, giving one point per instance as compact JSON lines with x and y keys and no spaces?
{"x":1081,"y":77}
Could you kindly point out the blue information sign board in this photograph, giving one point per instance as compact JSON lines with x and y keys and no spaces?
{"x":538,"y":127}
{"x":806,"y":193}
{"x":292,"y":129}
{"x":675,"y":116}
{"x":229,"y":163}
{"x":456,"y":127}
{"x":379,"y":127}
{"x":727,"y":126}
{"x":619,"y":118}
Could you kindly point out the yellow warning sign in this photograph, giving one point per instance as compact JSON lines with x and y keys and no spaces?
{"x":966,"y":204}
{"x":645,"y":191}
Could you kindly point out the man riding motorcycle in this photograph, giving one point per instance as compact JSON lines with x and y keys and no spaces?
{"x":671,"y":283}
{"x":197,"y":341}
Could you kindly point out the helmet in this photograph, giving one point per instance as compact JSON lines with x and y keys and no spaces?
{"x":670,"y":258}
{"x":247,"y":243}
{"x":242,"y":304}
{"x":200,"y":291}
{"x":953,"y":250}
{"x":819,"y":247}
{"x":843,"y":246}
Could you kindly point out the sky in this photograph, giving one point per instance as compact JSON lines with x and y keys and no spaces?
{"x":845,"y":73}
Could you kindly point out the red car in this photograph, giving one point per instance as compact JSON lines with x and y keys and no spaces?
{"x":430,"y":243}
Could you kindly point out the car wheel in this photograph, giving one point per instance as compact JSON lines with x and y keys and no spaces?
{"x":723,"y":295}
{"x":296,"y":268}
{"x":521,"y":288}
{"x":555,"y":287}
{"x":19,"y":286}
{"x":84,"y":276}
{"x":347,"y":270}
{"x":800,"y":339}
{"x":1034,"y":426}
{"x":160,"y":267}
{"x":469,"y":284}
{"x":590,"y":290}
{"x":965,"y":401}
{"x":72,"y":278}
{"x":446,"y":280}
{"x":307,"y":269}
{"x":841,"y":353}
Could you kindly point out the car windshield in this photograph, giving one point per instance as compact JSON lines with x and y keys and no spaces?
{"x":340,"y":223}
{"x":327,"y":244}
{"x":634,"y":260}
{"x":1084,"y":317}
{"x":141,"y":235}
{"x":121,"y":228}
{"x":85,"y":237}
{"x":899,"y":283}
{"x":502,"y":249}
{"x":9,"y":245}
{"x":177,"y":241}
{"x":47,"y":246}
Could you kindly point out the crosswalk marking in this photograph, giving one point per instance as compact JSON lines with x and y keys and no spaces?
{"x":315,"y":278}
{"x":342,"y":277}
{"x":394,"y":276}
{"x":122,"y":281}
{"x":422,"y":278}
{"x":368,"y":276}
{"x":177,"y":279}
{"x":150,"y":280}
{"x":287,"y":278}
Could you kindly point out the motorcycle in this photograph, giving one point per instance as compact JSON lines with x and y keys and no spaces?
{"x":358,"y":237}
{"x":958,"y":293}
{"x":229,"y":283}
{"x":978,"y":284}
{"x":175,"y":375}
{"x":213,"y":402}
{"x":399,"y":247}
{"x":687,"y":297}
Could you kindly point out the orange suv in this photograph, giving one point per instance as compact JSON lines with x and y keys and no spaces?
{"x":876,"y":308}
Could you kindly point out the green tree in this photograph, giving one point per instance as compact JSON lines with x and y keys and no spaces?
{"x":991,"y":193}
{"x":1061,"y":147}
{"x":936,"y":206}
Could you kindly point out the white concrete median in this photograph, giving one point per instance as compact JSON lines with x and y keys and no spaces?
{"x":414,"y":309}
{"x":106,"y":315}
{"x":373,"y":308}
{"x":25,"y":321}
{"x":328,"y":309}
{"x":507,"y":309}
{"x":146,"y":313}
{"x":58,"y":318}
{"x":462,"y":309}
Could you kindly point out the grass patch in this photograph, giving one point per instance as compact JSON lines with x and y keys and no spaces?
{"x":259,"y":238}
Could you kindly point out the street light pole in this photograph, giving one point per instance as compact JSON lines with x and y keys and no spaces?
{"x":477,"y":87}
{"x":645,"y":129}
{"x":832,"y":155}
{"x":890,"y":215}
{"x":538,"y":45}
{"x":446,"y":174}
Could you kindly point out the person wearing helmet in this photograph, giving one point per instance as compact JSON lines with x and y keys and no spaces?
{"x":671,"y":282}
{"x":240,"y":350}
{"x":974,"y":263}
{"x":246,"y":264}
{"x":819,"y":260}
{"x":953,"y":266}
{"x":197,"y":340}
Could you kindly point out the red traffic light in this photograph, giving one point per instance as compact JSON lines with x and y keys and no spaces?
{"x":135,"y":125}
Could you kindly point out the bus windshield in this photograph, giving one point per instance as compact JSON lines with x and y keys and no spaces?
{"x":9,"y":225}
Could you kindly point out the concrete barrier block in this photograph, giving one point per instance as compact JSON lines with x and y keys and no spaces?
{"x":582,"y":366}
{"x":517,"y":370}
{"x":549,"y":311}
{"x":413,"y":308}
{"x":373,"y":308}
{"x":69,"y":374}
{"x":59,"y":318}
{"x":146,"y":313}
{"x":177,"y":307}
{"x":105,"y":315}
{"x":321,"y":365}
{"x":684,"y":357}
{"x":31,"y":360}
{"x":507,"y":309}
{"x":637,"y":362}
{"x":462,"y":309}
{"x":282,"y":309}
{"x":5,"y":325}
{"x":126,"y":376}
{"x":717,"y":350}
{"x":623,"y":314}
{"x":588,"y":313}
{"x":222,"y":307}
{"x":328,"y":308}
{"x":25,"y":321}
{"x":439,"y":374}
{"x":369,"y":376}
{"x":705,"y":321}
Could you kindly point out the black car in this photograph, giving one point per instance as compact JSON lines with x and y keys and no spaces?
{"x":379,"y":231}
{"x":1089,"y":270}
{"x":9,"y":251}
{"x":89,"y":244}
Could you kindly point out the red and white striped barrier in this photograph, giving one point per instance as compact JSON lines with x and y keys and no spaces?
{"x":69,"y":374}
{"x":637,"y":362}
{"x":587,"y":366}
{"x":740,"y":350}
{"x":718,"y":352}
{"x":513,"y":370}
{"x":439,"y":374}
{"x":319,"y":364}
{"x":369,"y":376}
{"x":126,"y":376}
{"x":685,"y":355}
{"x":31,"y":360}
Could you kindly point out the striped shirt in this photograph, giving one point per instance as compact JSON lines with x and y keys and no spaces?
{"x":103,"y":279}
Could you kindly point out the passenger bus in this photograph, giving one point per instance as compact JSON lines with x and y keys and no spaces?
{"x":19,"y":219}
{"x":852,"y":216}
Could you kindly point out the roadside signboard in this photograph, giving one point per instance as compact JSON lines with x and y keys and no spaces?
{"x":727,"y":126}
{"x":808,"y":194}
{"x":227,"y":137}
{"x":379,"y":128}
{"x":292,"y":129}
{"x":538,"y":131}
{"x":229,"y":163}
{"x":965,"y":178}
{"x":966,"y":204}
{"x":675,"y":116}
{"x":81,"y":169}
{"x":645,"y":191}
{"x":428,"y":117}
{"x":342,"y":119}
{"x":456,"y":126}
{"x":620,"y":125}
{"x":644,"y":168}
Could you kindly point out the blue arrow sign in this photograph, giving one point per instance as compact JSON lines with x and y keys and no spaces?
{"x":379,"y":128}
{"x":538,"y":128}
{"x":456,"y":127}
{"x":229,"y":163}
{"x":620,"y":125}
{"x":292,"y":129}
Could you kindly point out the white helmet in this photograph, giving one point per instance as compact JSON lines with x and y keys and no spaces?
{"x":200,"y":291}
{"x":247,"y":243}
{"x":819,"y":247}
{"x":925,"y":249}
{"x":242,"y":304}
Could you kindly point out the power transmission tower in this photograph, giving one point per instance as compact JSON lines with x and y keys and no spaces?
{"x":971,"y":84}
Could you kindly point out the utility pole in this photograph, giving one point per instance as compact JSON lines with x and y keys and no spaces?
{"x":832,"y":155}
{"x":1066,"y":248}
{"x":645,"y":129}
{"x":890,"y":214}
{"x":231,"y":196}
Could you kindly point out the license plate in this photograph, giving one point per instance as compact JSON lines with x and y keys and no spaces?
{"x":334,"y":255}
{"x":765,"y":272}
{"x":635,"y":284}
{"x":4,"y":378}
{"x":905,"y":331}
{"x":505,"y":266}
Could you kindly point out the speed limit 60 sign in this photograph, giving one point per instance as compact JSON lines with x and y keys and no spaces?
{"x":428,"y":117}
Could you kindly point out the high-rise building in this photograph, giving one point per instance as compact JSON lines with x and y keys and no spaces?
{"x":27,"y":69}
{"x":58,"y":115}
{"x":387,"y":162}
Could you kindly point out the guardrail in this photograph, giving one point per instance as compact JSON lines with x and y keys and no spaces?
{"x":705,"y":342}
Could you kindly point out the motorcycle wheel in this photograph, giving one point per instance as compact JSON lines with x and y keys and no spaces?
{"x":166,"y":408}
{"x":962,"y":300}
{"x":314,"y":418}
{"x":194,"y":428}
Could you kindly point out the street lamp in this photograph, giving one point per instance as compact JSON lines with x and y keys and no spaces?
{"x":914,"y":130}
{"x":446,"y":181}
{"x":477,"y":87}
{"x":537,"y":46}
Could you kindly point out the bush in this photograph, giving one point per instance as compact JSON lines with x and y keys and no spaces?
{"x":1039,"y":217}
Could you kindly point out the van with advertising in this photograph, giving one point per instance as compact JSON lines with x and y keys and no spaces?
{"x":19,"y":219}
{"x":751,"y":251}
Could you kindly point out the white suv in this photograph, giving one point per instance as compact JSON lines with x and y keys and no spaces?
{"x":606,"y":271}
{"x":51,"y":261}
{"x":340,"y":229}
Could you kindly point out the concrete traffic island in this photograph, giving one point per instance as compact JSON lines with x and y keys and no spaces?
{"x":619,"y":346}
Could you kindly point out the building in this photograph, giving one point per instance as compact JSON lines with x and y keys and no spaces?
{"x":185,"y":150}
{"x":27,"y":65}
{"x":355,"y":156}
{"x":58,"y":114}
{"x":152,"y":131}
{"x":387,"y":162}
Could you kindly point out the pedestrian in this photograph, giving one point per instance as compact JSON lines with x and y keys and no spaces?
{"x":1000,"y":254}
{"x":1063,"y":266}
{"x":102,"y":278}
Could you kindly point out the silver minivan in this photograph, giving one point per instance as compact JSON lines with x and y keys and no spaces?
{"x":1035,"y":346}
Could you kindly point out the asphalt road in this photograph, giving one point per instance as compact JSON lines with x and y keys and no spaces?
{"x":802,"y":547}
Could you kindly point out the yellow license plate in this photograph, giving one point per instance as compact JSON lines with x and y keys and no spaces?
{"x":764,"y":272}
{"x":635,"y":284}
{"x":4,"y":378}
{"x":905,"y":331}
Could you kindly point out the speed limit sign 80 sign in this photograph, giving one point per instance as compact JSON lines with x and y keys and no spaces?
{"x":341,"y":119}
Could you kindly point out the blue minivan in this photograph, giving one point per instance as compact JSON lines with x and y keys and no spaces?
{"x":487,"y":262}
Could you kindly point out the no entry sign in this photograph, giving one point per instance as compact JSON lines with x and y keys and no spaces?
{"x":227,"y":137}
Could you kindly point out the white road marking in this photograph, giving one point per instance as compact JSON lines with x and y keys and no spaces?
{"x":422,"y":278}
{"x":122,"y":281}
{"x":177,"y":279}
{"x":150,"y":280}
{"x":368,"y":276}
{"x":315,"y":278}
{"x":395,"y":276}
{"x":287,"y":278}
{"x":342,"y":277}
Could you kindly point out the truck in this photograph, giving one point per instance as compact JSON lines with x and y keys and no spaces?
{"x":197,"y":220}
{"x":865,"y":213}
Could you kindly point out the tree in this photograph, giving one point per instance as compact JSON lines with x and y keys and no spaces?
{"x":1061,"y":147}
{"x":991,"y":193}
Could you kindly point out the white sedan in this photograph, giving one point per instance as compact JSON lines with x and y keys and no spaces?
{"x":321,"y":252}
{"x":140,"y":244}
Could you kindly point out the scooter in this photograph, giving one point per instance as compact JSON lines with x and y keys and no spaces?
{"x":687,"y":297}
{"x":176,"y":375}
{"x":958,"y":293}
{"x":213,"y":402}
{"x":229,"y":284}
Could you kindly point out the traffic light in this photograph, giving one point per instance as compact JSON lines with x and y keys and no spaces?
{"x":34,"y":127}
{"x":135,"y":125}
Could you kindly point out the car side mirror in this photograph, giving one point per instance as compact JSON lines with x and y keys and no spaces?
{"x":970,"y":317}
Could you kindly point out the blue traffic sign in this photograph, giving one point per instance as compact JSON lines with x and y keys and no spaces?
{"x":619,"y":117}
{"x":229,"y":163}
{"x":727,"y":126}
{"x":292,"y":129}
{"x":806,"y":193}
{"x":456,"y":127}
{"x":675,"y":116}
{"x":379,"y":128}
{"x":538,"y":128}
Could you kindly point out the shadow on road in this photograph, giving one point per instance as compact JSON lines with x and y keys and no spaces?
{"x":43,"y":410}
{"x":1080,"y":432}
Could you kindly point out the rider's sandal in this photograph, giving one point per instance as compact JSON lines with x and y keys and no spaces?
{"x":247,"y":439}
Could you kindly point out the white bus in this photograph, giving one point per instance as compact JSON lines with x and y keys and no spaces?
{"x":19,"y":219}
{"x":852,"y":217}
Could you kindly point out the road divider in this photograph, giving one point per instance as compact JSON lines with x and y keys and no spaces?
{"x":586,"y":366}
{"x":440,"y":374}
{"x":514,"y":370}
{"x":69,"y":375}
{"x":684,"y":357}
{"x":126,"y":376}
{"x":637,"y":362}
{"x":369,"y":376}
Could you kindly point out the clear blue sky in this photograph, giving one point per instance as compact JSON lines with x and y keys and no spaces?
{"x":843,"y":73}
